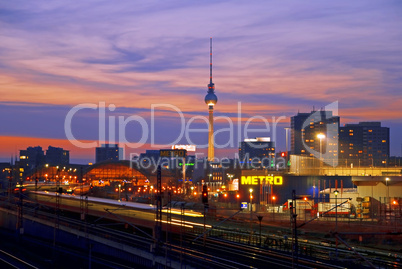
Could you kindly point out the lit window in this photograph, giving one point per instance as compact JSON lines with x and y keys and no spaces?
{"x":370,"y":131}
{"x":384,"y":141}
{"x":351,"y":134}
{"x":350,"y":131}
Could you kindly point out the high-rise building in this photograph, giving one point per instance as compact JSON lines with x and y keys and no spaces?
{"x":108,"y":152}
{"x":364,"y":144}
{"x":314,"y":132}
{"x":211,"y":100}
{"x":57,"y":156}
{"x":259,"y":151}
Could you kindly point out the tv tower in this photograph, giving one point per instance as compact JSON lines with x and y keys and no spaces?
{"x":211,"y":100}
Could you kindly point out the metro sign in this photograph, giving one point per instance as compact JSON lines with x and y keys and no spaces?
{"x":257,"y":180}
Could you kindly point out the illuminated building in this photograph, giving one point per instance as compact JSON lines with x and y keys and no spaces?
{"x":304,"y":130}
{"x":258,"y":152}
{"x":31,"y":157}
{"x":211,"y":100}
{"x":364,"y":144}
{"x":108,"y":152}
{"x":110,"y":172}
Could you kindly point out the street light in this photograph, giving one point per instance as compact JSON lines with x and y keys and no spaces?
{"x":321,"y":137}
{"x":287,"y":142}
{"x":251,"y":201}
{"x":386,"y":183}
{"x":251,"y":212}
{"x":336,"y":210}
{"x":336,"y":220}
{"x":119,"y":191}
{"x":251,"y":198}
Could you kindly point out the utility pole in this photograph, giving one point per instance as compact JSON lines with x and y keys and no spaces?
{"x":293,"y":222}
{"x":260,"y":219}
{"x":158,"y":224}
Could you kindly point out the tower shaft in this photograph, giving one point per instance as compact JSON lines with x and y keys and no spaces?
{"x":211,"y":144}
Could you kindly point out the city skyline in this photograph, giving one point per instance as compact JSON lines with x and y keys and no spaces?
{"x":274,"y":58}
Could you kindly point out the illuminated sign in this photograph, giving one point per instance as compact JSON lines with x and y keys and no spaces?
{"x":257,"y":180}
{"x":186,"y":147}
{"x":173,"y":153}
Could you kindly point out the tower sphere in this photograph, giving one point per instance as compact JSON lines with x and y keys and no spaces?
{"x":211,"y":99}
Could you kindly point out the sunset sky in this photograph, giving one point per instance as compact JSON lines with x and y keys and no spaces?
{"x":272,"y":58}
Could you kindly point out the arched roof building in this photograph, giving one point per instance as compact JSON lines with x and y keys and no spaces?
{"x":114,"y":171}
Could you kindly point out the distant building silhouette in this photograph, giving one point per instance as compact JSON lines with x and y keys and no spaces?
{"x":108,"y":152}
{"x":31,"y":158}
{"x":364,"y":144}
{"x":57,"y":156}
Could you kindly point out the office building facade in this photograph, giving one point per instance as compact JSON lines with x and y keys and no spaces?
{"x":57,"y":156}
{"x":315,"y":133}
{"x":364,"y":144}
{"x":108,"y":152}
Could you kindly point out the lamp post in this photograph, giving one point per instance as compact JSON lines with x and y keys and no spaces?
{"x":251,"y":213}
{"x":287,"y":142}
{"x":336,"y":220}
{"x":251,"y":201}
{"x":209,"y":181}
{"x":386,"y":183}
{"x":321,"y":137}
{"x":119,"y":191}
{"x":336,"y":210}
{"x":230,"y":176}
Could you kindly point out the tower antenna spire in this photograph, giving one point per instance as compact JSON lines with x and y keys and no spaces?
{"x":211,"y":100}
{"x":210,"y":60}
{"x":211,"y":85}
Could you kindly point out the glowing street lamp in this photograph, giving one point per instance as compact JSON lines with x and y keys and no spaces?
{"x":251,"y":211}
{"x":336,"y":210}
{"x":386,"y":183}
{"x":336,"y":219}
{"x":119,"y":191}
{"x":251,"y":201}
{"x":321,"y":137}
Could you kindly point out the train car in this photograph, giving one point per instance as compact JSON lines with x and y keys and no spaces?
{"x":80,"y":190}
